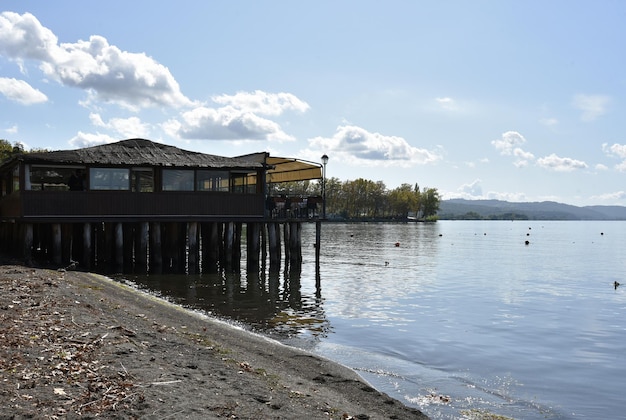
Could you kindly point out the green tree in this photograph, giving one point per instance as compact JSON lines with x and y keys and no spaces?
{"x":430,"y":202}
{"x":7,"y":149}
{"x":402,"y":200}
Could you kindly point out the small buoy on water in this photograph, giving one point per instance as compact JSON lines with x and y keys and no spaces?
{"x":527,"y":242}
{"x":615,"y":284}
{"x":386,"y":263}
{"x":601,"y":233}
{"x":397,"y":244}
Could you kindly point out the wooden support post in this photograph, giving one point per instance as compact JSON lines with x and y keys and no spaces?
{"x":273,"y":236}
{"x":263,"y":234}
{"x":229,"y":230}
{"x":119,"y":247}
{"x":108,"y":244}
{"x":193,"y":266}
{"x":287,"y":241}
{"x":56,"y":244}
{"x":141,"y":246}
{"x":67,"y":233}
{"x":210,"y":247}
{"x":156,"y":256}
{"x":295,"y":243}
{"x":86,"y":255}
{"x":129,"y":239}
{"x":170,"y":232}
{"x":237,"y":246}
{"x":253,"y":231}
{"x":28,"y":244}
{"x":318,"y":240}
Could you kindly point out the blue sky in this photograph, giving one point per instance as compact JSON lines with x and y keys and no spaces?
{"x":511,"y":100}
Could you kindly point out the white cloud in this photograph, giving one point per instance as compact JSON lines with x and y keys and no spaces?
{"x":507,"y":144}
{"x":264,"y":103}
{"x":227,"y":123}
{"x":549,"y":122}
{"x":621,"y":167}
{"x":131,"y":80}
{"x":357,"y":146}
{"x":618,"y":150}
{"x":21,"y":92}
{"x":601,"y":167}
{"x":447,"y":103}
{"x":82,"y":140}
{"x":126,"y":127}
{"x":560,"y":164}
{"x":473,"y":189}
{"x":618,"y":195}
{"x":11,"y":130}
{"x":592,"y":106}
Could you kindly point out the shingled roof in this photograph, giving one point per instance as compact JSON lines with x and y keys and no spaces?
{"x":138,"y":152}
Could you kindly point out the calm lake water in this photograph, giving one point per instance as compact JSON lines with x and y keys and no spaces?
{"x":461,"y":319}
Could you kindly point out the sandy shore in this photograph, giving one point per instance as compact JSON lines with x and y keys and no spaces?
{"x":76,"y":344}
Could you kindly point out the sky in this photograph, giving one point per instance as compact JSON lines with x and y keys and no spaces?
{"x":508,"y":100}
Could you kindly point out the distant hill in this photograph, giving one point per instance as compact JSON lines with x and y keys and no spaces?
{"x":545,"y":210}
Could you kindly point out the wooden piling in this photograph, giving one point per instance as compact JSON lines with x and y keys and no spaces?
{"x":156,"y":257}
{"x":85,"y":260}
{"x":229,"y":233}
{"x":119,"y":246}
{"x":253,"y":233}
{"x":193,"y":257}
{"x":141,"y":246}
{"x":56,"y":244}
{"x":28,"y":244}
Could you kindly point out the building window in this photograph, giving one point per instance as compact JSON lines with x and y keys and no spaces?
{"x":178,"y":180}
{"x":55,"y":178}
{"x":239,"y":184}
{"x":109,"y":179}
{"x":142,"y":180}
{"x":207,"y":180}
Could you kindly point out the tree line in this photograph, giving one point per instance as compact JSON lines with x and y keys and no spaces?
{"x":369,"y":200}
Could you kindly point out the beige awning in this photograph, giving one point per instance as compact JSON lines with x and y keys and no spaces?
{"x":283,"y":169}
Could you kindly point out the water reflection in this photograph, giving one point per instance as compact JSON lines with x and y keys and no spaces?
{"x":269,"y":301}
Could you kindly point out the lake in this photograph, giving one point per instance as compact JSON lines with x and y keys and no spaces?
{"x":458,"y":318}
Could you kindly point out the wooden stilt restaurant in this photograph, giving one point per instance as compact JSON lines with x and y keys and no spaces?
{"x":141,"y":206}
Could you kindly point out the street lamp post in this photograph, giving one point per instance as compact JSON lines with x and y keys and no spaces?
{"x":324,"y":162}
